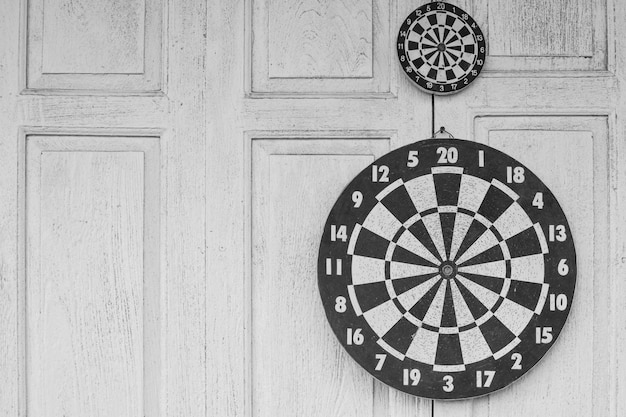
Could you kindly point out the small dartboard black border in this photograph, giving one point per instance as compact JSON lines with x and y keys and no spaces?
{"x":495,"y":165}
{"x":439,"y":88}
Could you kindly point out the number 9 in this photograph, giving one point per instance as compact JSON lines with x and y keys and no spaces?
{"x":357,"y":199}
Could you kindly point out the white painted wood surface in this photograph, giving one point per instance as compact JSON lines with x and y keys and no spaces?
{"x":223,"y":142}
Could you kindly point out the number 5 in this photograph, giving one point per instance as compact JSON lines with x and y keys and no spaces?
{"x":413,"y":159}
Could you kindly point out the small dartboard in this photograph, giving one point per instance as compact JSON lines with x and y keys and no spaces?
{"x":447,"y":269}
{"x":441,"y":48}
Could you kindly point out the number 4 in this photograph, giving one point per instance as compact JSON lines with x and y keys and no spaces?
{"x":538,"y":201}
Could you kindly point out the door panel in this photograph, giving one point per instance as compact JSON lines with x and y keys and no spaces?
{"x":94,"y":318}
{"x":102,"y":261}
{"x":93,"y":45}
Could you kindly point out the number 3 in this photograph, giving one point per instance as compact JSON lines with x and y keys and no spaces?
{"x":449,"y":387}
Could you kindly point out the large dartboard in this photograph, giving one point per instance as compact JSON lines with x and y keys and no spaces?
{"x":441,"y":48}
{"x":447,"y":269}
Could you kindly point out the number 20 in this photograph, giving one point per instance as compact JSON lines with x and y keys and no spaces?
{"x":447,"y":155}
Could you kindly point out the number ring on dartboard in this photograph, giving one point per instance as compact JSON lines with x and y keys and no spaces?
{"x":441,"y":48}
{"x":447,"y":269}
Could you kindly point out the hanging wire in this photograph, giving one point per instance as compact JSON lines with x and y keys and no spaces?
{"x":442,"y":130}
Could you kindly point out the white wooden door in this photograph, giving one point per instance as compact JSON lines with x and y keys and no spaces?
{"x":323,"y":96}
{"x":102,"y":210}
{"x":166,"y":168}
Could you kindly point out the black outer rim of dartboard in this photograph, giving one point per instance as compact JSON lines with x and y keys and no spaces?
{"x":420,"y":81}
{"x":365,"y":354}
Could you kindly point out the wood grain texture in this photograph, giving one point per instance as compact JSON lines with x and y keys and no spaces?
{"x":10,"y":353}
{"x":91,"y":286}
{"x":93,"y":36}
{"x":540,"y":38}
{"x":99,"y":46}
{"x":541,"y":28}
{"x":325,"y":39}
{"x":575,"y":376}
{"x":296,"y":368}
{"x":617,"y":181}
{"x":185,"y":262}
{"x":84,"y":284}
{"x":321,"y":48}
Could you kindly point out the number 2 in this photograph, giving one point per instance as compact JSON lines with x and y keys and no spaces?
{"x":517,"y":361}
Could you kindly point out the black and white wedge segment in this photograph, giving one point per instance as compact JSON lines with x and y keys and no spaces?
{"x":441,"y":48}
{"x":447,"y":269}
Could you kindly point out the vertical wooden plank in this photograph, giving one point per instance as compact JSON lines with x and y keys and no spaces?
{"x":225,"y":217}
{"x":84,"y":283}
{"x":9,"y":305}
{"x":617,"y":155}
{"x":184,"y":263}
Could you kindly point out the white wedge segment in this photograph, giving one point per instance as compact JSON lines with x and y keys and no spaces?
{"x":411,"y":297}
{"x":366,"y":270}
{"x":423,"y":348}
{"x":528,"y":268}
{"x":487,"y":297}
{"x":383,"y":317}
{"x":463,"y":314}
{"x":472,"y":192}
{"x":403,"y":270}
{"x":433,"y":226}
{"x":433,"y":315}
{"x":513,"y":221}
{"x":486,"y":241}
{"x":489,"y":269}
{"x":422,"y":192}
{"x":382,"y":222}
{"x":462,"y":222}
{"x":409,"y":242}
{"x":474,"y":347}
{"x":514,"y":316}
